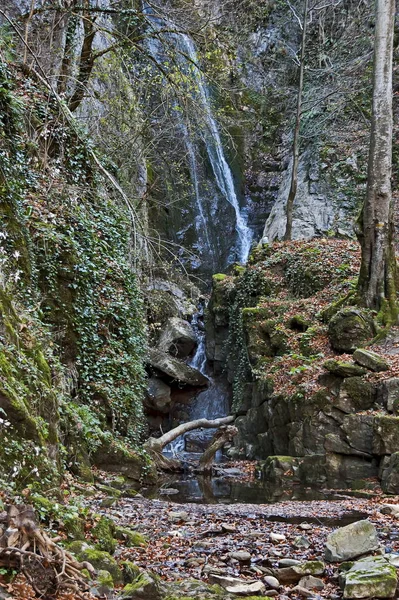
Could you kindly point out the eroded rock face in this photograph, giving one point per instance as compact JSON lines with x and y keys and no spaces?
{"x":177,"y":338}
{"x":390,"y":474}
{"x":351,"y":541}
{"x":371,"y":577}
{"x":350,"y":328}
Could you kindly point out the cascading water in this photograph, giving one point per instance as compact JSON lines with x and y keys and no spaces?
{"x":205,"y":122}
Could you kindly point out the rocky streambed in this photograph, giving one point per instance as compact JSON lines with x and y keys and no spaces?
{"x":316,"y":549}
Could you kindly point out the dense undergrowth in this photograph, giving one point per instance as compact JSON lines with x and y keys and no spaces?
{"x":72,"y":333}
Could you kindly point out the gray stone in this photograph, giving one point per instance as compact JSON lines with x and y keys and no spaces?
{"x":370,"y":360}
{"x":390,"y":509}
{"x":271,"y":582}
{"x":351,"y":541}
{"x":302,"y":591}
{"x":158,"y":395}
{"x":241,"y":556}
{"x":371,"y":577}
{"x":301,"y":542}
{"x":288,"y":562}
{"x":176,"y":369}
{"x":350,"y":328}
{"x":294,"y":573}
{"x":177,"y":338}
{"x":246,"y":589}
{"x":311,"y":583}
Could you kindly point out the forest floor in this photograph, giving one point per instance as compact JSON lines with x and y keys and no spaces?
{"x":193,"y":541}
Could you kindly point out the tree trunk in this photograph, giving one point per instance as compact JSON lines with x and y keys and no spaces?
{"x":221,"y":437}
{"x":295,"y":146}
{"x":160,"y":443}
{"x":377,"y":279}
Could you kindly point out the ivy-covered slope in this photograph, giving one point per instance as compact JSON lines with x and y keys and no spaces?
{"x":72,"y":334}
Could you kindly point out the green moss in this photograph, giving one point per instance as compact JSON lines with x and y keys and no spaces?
{"x":74,"y":527}
{"x":104,"y":532}
{"x":105,"y":579}
{"x":130,"y":571}
{"x":218,"y":277}
{"x":102,"y":560}
{"x":130,"y":537}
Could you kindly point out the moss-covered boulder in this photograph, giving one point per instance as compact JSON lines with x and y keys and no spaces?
{"x":145,"y":587}
{"x":74,"y":527}
{"x":104,"y":531}
{"x":102,"y":561}
{"x":370,"y":360}
{"x":116,"y":457}
{"x":344,"y":368}
{"x":129,"y":537}
{"x":350,"y":328}
{"x":371,"y":577}
{"x":130,"y":571}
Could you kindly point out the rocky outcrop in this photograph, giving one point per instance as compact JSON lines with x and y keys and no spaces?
{"x":158,"y":395}
{"x":350,"y":328}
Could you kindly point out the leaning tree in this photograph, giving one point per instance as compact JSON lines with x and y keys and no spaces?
{"x":378,"y":274}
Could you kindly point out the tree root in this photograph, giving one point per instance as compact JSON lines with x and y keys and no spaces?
{"x":48,"y":568}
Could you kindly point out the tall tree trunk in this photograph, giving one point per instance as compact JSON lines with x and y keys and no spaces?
{"x":377,"y":279}
{"x":295,"y":146}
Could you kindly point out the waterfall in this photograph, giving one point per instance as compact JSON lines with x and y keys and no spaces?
{"x":207,"y":127}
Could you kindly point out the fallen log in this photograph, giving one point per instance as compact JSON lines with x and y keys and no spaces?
{"x":25,"y":547}
{"x":154,"y":446}
{"x":225,"y":434}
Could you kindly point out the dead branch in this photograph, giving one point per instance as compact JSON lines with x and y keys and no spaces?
{"x":221,"y":437}
{"x":164,"y":440}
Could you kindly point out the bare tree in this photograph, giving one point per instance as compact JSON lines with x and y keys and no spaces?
{"x":378,"y":272}
{"x":295,"y":147}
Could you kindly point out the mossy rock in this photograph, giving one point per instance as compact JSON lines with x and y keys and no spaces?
{"x":102,"y":561}
{"x":145,"y":587}
{"x":104,"y":531}
{"x":299,"y":323}
{"x":130,"y":571}
{"x":74,"y":528}
{"x":130,"y":537}
{"x":370,"y":360}
{"x":218,"y":277}
{"x":344,"y":368}
{"x":351,"y":328}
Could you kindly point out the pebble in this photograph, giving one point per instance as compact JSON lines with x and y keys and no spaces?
{"x":271,"y":593}
{"x":305,"y":526}
{"x":272,"y":582}
{"x":241,"y":556}
{"x":311,"y":583}
{"x":288,"y":562}
{"x":178,"y":516}
{"x":277,"y":537}
{"x":227,"y":528}
{"x":301,"y":591}
{"x":301,"y":542}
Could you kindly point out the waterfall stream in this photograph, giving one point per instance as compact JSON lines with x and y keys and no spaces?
{"x":204,"y":122}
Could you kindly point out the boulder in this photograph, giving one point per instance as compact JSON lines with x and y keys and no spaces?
{"x":311,"y":583}
{"x":177,"y":338}
{"x":158,"y":395}
{"x":371,"y":577}
{"x":370,"y":360}
{"x":247,"y":589}
{"x":145,"y":587}
{"x":175,"y":369}
{"x":344,"y":368}
{"x":351,"y":541}
{"x":350,"y":328}
{"x":390,"y":509}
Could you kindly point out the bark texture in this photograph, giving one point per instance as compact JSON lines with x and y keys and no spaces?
{"x":377,"y":280}
{"x":296,"y":145}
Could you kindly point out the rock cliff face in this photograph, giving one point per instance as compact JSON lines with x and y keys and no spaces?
{"x":324,"y":422}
